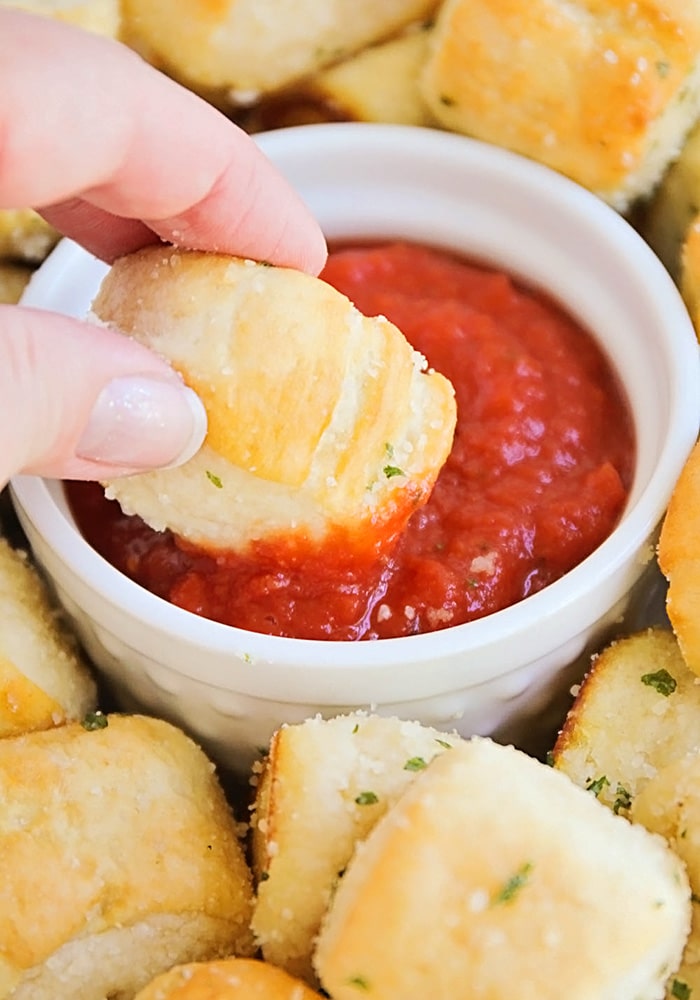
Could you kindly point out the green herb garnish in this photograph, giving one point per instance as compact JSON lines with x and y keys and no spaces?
{"x":393,"y":470}
{"x":443,"y":743}
{"x":415,"y":764}
{"x":661,"y":681}
{"x":214,"y":479}
{"x":95,"y":720}
{"x":366,"y":798}
{"x":623,"y":799}
{"x":359,"y":982}
{"x":680,"y":990}
{"x":514,"y":884}
{"x":596,"y":785}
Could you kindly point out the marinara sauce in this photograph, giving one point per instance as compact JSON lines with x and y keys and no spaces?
{"x":537,"y":478}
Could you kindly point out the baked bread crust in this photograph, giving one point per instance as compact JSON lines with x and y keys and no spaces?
{"x":249,"y":48}
{"x":637,"y":710}
{"x":494,"y":870}
{"x":604,"y":93}
{"x":319,"y":417}
{"x":44,"y":680}
{"x":228,"y":979}
{"x":120,"y":857}
{"x":323,"y":786}
{"x":679,"y":559}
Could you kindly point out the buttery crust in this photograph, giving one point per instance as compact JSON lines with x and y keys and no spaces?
{"x":228,"y":979}
{"x":665,"y":220}
{"x":44,"y":681}
{"x":251,"y":48}
{"x":679,"y":559}
{"x":604,"y":93}
{"x":120,"y":858}
{"x":689,"y":276}
{"x":496,"y":871}
{"x":670,"y":806}
{"x":637,"y":710}
{"x":319,"y":417}
{"x":102,"y":17}
{"x":24,"y":236}
{"x":324,"y":784}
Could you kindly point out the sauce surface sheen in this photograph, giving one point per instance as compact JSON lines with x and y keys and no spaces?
{"x":537,"y":478}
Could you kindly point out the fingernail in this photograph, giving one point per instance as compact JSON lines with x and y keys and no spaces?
{"x":144,"y":422}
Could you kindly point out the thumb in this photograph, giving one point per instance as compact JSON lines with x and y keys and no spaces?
{"x":79,"y":401}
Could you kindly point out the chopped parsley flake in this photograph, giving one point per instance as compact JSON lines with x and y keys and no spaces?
{"x":214,"y":479}
{"x":356,"y":728}
{"x":549,"y":758}
{"x":393,"y":470}
{"x":514,"y":884}
{"x":366,"y":798}
{"x":359,"y":982}
{"x":623,"y":799}
{"x":596,"y":785}
{"x":680,"y":990}
{"x":444,"y":744}
{"x":661,"y":681}
{"x":264,"y":876}
{"x":415,"y":764}
{"x":95,"y":720}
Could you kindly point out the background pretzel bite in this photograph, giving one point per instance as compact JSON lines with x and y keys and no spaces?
{"x":252,"y":48}
{"x":43,"y":678}
{"x":319,"y":418}
{"x":604,"y":92}
{"x":119,"y":858}
{"x":679,"y":559}
{"x":324,"y":785}
{"x":228,"y":979}
{"x":494,"y":871}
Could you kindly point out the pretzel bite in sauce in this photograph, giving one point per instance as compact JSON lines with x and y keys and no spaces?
{"x":227,"y":979}
{"x":322,"y":422}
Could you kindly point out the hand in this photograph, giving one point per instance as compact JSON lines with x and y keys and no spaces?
{"x":116,"y":156}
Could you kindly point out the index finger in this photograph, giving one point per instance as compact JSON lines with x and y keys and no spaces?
{"x":84,"y":119}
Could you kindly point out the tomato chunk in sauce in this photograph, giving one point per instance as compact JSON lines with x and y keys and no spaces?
{"x":537,"y":478}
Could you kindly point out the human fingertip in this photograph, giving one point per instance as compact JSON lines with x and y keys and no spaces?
{"x":141,"y":422}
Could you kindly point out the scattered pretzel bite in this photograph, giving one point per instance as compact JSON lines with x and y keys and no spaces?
{"x":119,"y":856}
{"x":679,"y":559}
{"x":320,"y":418}
{"x":664,"y":220}
{"x":324,"y":785}
{"x":251,"y":48}
{"x":44,"y":680}
{"x":102,"y":17}
{"x":495,"y":871}
{"x":603,"y":92}
{"x":227,"y":979}
{"x":637,"y":710}
{"x":24,"y":236}
{"x":669,"y":805}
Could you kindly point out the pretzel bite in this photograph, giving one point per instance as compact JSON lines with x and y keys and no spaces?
{"x":494,"y":871}
{"x":323,"y":787}
{"x":320,"y":419}
{"x":664,"y":221}
{"x":44,"y":680}
{"x":379,"y":84}
{"x":689,"y":275}
{"x":637,"y":710}
{"x":120,"y":858}
{"x":252,"y":49}
{"x":102,"y":17}
{"x":24,"y":236}
{"x":13,"y":280}
{"x":679,"y":559}
{"x":603,"y":92}
{"x":670,"y":805}
{"x":228,"y":979}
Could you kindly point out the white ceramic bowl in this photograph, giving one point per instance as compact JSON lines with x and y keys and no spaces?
{"x":231,"y":688}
